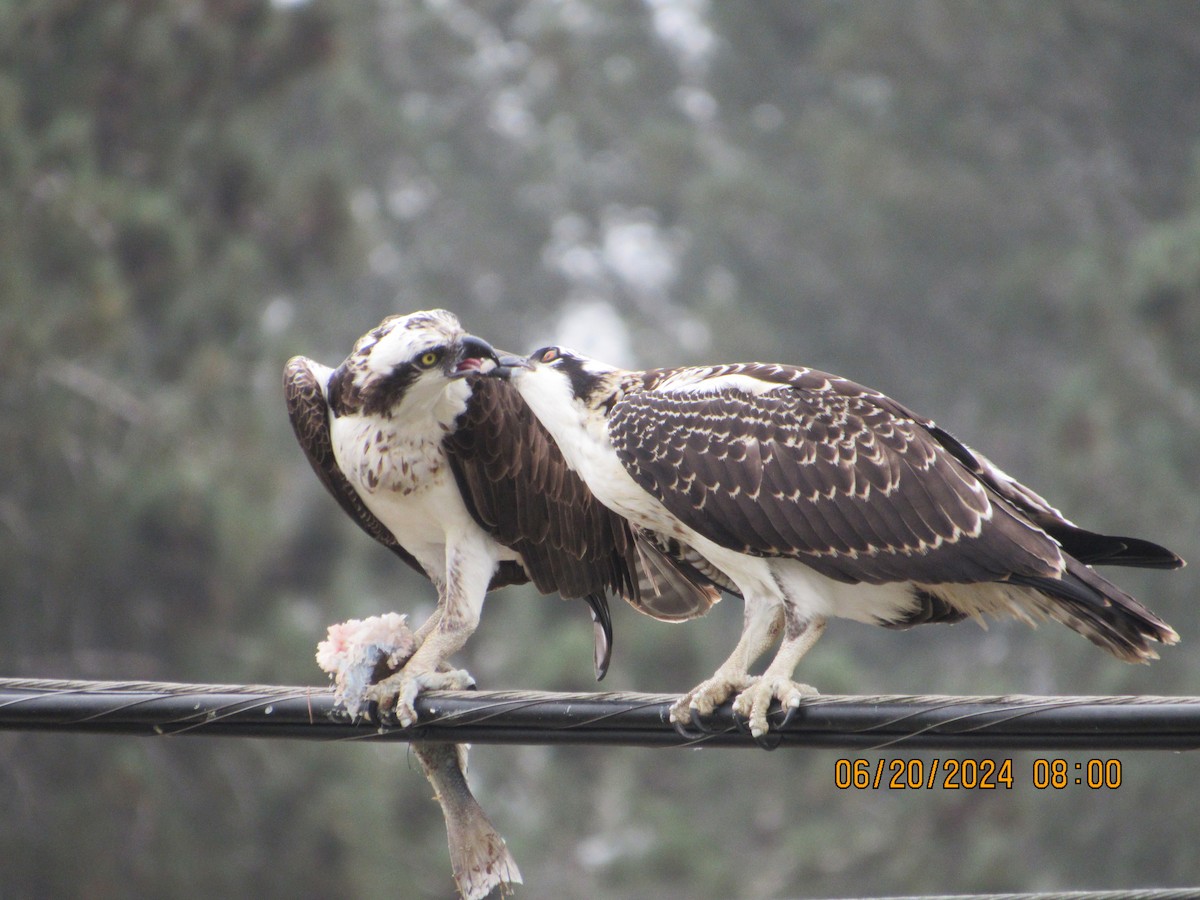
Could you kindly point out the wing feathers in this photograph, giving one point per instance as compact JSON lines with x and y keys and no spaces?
{"x":780,"y":461}
{"x":1086,"y":546}
{"x":309,"y":415}
{"x":517,"y":484}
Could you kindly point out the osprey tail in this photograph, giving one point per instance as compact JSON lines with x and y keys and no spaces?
{"x":1103,"y":613}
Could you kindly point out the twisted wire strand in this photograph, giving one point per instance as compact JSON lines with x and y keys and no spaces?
{"x":613,"y":718}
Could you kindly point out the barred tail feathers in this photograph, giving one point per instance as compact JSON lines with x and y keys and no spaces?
{"x":1093,"y":606}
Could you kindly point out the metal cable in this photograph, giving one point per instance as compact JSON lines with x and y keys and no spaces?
{"x":1134,"y":894}
{"x":630,"y":719}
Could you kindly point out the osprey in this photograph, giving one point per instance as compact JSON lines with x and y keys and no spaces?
{"x":454,"y":475}
{"x":812,"y":496}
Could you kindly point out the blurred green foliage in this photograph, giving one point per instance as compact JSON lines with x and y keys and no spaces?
{"x":988,"y":209}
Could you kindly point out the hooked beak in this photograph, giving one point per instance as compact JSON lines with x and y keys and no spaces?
{"x":472,"y":352}
{"x":507,"y":365}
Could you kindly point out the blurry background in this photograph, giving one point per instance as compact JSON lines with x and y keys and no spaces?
{"x":989,"y":210}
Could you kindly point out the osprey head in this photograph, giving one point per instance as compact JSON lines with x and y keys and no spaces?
{"x":406,"y":363}
{"x":586,"y":383}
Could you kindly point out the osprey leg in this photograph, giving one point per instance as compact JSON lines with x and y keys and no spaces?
{"x":776,"y":682}
{"x":762,"y":624}
{"x":460,"y":603}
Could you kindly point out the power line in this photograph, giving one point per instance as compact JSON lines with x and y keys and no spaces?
{"x":527,"y":717}
{"x":1133,"y":894}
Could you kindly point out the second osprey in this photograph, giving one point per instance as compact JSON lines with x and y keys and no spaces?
{"x":815,"y":497}
{"x":453,"y":473}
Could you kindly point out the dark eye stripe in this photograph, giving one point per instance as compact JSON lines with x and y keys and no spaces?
{"x":380,"y":397}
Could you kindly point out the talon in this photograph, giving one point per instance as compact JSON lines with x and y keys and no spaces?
{"x":705,"y":723}
{"x":789,"y":713}
{"x":680,"y":717}
{"x":457,"y":680}
{"x":385,"y":713}
{"x":398,"y":693}
{"x":769,"y":740}
{"x":371,"y":712}
{"x":681,"y":730}
{"x":699,"y":705}
{"x":756,"y":703}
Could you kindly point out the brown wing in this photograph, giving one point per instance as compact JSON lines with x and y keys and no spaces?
{"x":801,"y":464}
{"x":1086,"y":546}
{"x":785,"y":462}
{"x":519,"y":488}
{"x":528,"y":500}
{"x":309,"y":414}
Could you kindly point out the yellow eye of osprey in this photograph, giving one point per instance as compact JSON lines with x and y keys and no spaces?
{"x":550,"y":354}
{"x":429,"y":360}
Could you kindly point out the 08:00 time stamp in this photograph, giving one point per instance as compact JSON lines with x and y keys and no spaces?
{"x":972,"y":774}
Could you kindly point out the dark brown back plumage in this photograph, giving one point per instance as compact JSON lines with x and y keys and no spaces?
{"x":814,"y":467}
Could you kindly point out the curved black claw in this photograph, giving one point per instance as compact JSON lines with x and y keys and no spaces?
{"x":699,"y":724}
{"x":681,"y":730}
{"x":770,"y":740}
{"x":380,"y":713}
{"x":788,"y":715}
{"x":773,"y":736}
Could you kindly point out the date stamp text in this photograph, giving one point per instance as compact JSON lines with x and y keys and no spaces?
{"x":952,"y":774}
